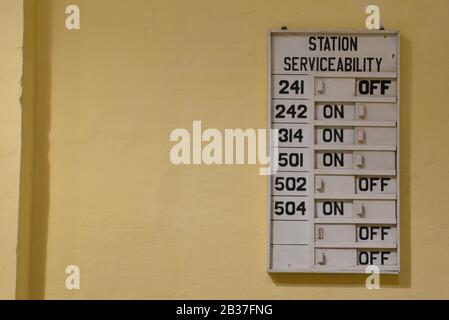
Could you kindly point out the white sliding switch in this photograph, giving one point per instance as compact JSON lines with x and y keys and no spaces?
{"x":320,"y":86}
{"x":320,"y":233}
{"x":358,"y":160}
{"x":359,"y":209}
{"x":360,"y":135}
{"x":320,"y":258}
{"x":319,"y":185}
{"x":360,"y":111}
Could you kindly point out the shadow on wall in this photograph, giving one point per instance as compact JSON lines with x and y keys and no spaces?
{"x":26,"y":170}
{"x":402,"y":280}
{"x":34,"y":203}
{"x":39,"y":230}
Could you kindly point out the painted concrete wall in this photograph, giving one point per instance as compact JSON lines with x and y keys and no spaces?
{"x":11,"y":34}
{"x":105,"y":196}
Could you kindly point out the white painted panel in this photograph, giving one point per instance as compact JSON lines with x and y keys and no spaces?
{"x":291,"y":111}
{"x":376,"y":136}
{"x":376,"y":233}
{"x":376,"y":209}
{"x":334,"y":87}
{"x":334,"y":135}
{"x":289,"y":256}
{"x":292,"y":135}
{"x":289,"y":49}
{"x":376,"y":185}
{"x":375,"y":160}
{"x":333,"y":160}
{"x":291,"y":208}
{"x":334,"y":209}
{"x":290,"y":232}
{"x":332,"y":233}
{"x":336,"y":257}
{"x":334,"y":184}
{"x":362,"y":111}
{"x":376,"y":111}
{"x":337,"y":110}
{"x":377,"y":257}
{"x":290,"y":184}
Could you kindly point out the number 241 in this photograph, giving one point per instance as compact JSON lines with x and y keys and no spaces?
{"x":296,"y":86}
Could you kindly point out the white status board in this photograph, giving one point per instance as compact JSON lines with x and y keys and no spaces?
{"x":334,"y":191}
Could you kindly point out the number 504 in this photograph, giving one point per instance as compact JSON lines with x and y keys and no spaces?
{"x":289,"y":208}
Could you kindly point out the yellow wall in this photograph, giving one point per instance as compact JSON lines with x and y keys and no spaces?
{"x":11,"y":32}
{"x":107,"y":198}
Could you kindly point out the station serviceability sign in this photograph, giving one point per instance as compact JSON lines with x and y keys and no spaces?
{"x":334,"y":194}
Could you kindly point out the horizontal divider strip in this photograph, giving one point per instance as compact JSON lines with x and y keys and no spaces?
{"x":354,"y":221}
{"x":355,"y":172}
{"x":356,"y":147}
{"x":332,"y":269}
{"x":325,"y":74}
{"x":355,"y":245}
{"x":355,"y":123}
{"x":288,"y":220}
{"x":355,"y":99}
{"x":355,"y":196}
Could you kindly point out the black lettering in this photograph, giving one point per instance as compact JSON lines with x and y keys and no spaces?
{"x":364,"y":184}
{"x":384,"y":183}
{"x":364,"y":87}
{"x":363,"y":258}
{"x":353,"y":44}
{"x":303,"y":64}
{"x":384,"y":86}
{"x":312,"y":44}
{"x":333,"y":159}
{"x":384,"y":232}
{"x":368,"y":87}
{"x":374,"y":232}
{"x":333,"y":208}
{"x":287,"y":64}
{"x":333,"y":135}
{"x":363,"y":233}
{"x":333,"y":111}
{"x":384,"y":256}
